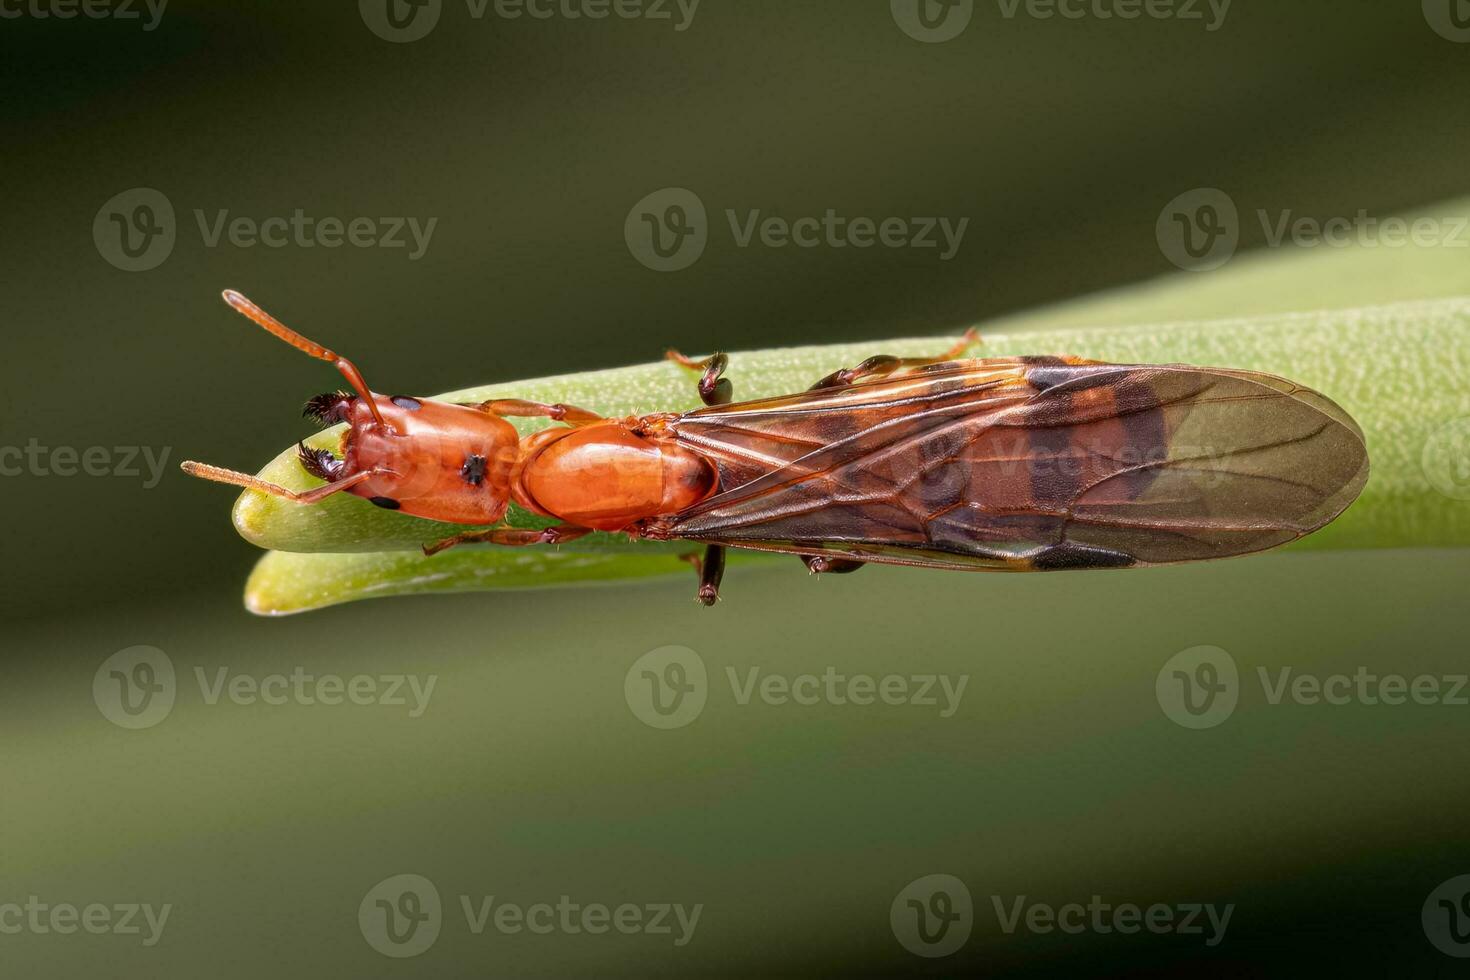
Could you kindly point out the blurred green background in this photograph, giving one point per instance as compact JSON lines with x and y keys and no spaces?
{"x":528,"y":777}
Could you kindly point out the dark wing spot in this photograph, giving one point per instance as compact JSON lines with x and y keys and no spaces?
{"x":406,"y":403}
{"x":387,"y":503}
{"x":1047,"y":371}
{"x":1064,"y":556}
{"x":473,"y":470}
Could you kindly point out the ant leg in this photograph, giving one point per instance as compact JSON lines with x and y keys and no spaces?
{"x":714,"y":388}
{"x":219,"y":475}
{"x":883,"y":364}
{"x":514,"y":537}
{"x":520,"y":408}
{"x":819,"y":564}
{"x":710,"y":569}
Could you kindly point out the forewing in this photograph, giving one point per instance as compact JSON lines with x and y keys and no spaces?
{"x":1035,"y":463}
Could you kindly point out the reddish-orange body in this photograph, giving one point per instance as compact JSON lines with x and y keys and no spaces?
{"x":424,"y":450}
{"x":608,"y":475}
{"x":462,"y":464}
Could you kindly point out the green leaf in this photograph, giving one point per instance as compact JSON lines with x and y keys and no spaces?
{"x":284,"y":583}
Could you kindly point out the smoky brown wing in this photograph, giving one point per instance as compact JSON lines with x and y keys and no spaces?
{"x":1030,"y":464}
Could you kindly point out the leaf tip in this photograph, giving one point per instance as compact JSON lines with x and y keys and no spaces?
{"x":264,"y":597}
{"x":251,"y":516}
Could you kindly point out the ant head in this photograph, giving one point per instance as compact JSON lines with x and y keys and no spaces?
{"x":431,"y":459}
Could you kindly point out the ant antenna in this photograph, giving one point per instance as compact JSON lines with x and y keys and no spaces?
{"x":349,"y":370}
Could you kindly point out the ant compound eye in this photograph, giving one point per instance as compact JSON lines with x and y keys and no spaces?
{"x":406,"y":403}
{"x":473,"y":470}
